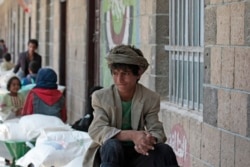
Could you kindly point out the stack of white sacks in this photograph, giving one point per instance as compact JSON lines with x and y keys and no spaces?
{"x":57,"y":144}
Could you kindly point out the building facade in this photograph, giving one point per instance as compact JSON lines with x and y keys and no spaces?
{"x":198,"y":51}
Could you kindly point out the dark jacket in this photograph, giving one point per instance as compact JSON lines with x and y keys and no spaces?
{"x":23,"y":62}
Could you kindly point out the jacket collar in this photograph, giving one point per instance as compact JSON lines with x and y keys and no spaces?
{"x":136,"y":110}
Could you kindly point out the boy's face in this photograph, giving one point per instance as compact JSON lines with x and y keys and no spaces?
{"x":124,"y":80}
{"x":32,"y":48}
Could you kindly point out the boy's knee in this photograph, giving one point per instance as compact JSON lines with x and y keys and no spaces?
{"x":164,"y":149}
{"x":111,"y":145}
{"x":111,"y":152}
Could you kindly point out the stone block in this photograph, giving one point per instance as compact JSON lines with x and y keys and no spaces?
{"x":239,"y":110}
{"x":210,"y":149}
{"x":148,"y":81}
{"x":195,"y":162}
{"x":159,"y":60}
{"x":237,"y":9}
{"x":150,"y":7}
{"x":161,"y":29}
{"x":227,"y":149}
{"x":162,"y":6}
{"x":210,"y":26}
{"x":242,"y":151}
{"x":161,"y":87}
{"x":242,"y":63}
{"x":207,"y":3}
{"x":166,"y":119}
{"x":145,"y":7}
{"x":176,"y":119}
{"x":223,"y":25}
{"x":227,"y":74}
{"x":247,"y":23}
{"x":224,"y":110}
{"x":214,"y":2}
{"x":237,"y":23}
{"x":144,"y":27}
{"x":195,"y":130}
{"x":210,"y":106}
{"x":207,"y":65}
{"x":216,"y":64}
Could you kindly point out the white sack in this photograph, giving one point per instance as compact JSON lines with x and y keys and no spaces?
{"x":67,"y":145}
{"x":33,"y":124}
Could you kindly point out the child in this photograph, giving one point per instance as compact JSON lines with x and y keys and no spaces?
{"x":6,"y":65}
{"x":83,"y":123}
{"x":31,"y":77}
{"x":13,"y":101}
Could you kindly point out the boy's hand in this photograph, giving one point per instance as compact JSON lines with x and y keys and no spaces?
{"x":144,"y":142}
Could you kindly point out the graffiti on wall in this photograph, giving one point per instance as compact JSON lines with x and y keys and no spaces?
{"x":178,"y":141}
{"x":119,"y":25}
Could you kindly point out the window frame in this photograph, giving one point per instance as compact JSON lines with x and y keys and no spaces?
{"x":186,"y":48}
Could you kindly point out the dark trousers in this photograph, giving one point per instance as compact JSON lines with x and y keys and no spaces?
{"x":114,"y":154}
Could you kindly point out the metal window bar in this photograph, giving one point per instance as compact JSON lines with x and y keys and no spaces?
{"x":192,"y":54}
{"x":178,"y":55}
{"x":182,"y":53}
{"x":198,"y":74}
{"x":186,"y":46}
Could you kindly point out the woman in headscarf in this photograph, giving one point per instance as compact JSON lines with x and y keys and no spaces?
{"x":45,"y":98}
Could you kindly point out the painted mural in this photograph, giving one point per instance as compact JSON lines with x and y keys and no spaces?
{"x":119,"y":25}
{"x":178,"y":141}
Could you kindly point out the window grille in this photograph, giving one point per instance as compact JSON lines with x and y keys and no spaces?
{"x":186,"y":53}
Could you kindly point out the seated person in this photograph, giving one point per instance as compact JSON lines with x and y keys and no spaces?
{"x":31,"y":77}
{"x":6,"y":65}
{"x":45,"y":98}
{"x":83,"y":123}
{"x":12,"y":103}
{"x":126,"y":130}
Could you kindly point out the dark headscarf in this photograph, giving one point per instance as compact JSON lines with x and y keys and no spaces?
{"x":46,"y":78}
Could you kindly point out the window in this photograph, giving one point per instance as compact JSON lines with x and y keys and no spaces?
{"x":186,"y":52}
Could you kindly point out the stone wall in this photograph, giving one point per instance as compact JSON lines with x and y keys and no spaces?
{"x":220,"y":135}
{"x":76,"y":58}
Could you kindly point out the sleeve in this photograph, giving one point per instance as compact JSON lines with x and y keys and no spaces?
{"x":101,"y":129}
{"x":28,"y":104}
{"x":153,"y":125}
{"x":5,"y":107}
{"x":39,"y":60}
{"x":17,"y":66}
{"x":3,"y":66}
